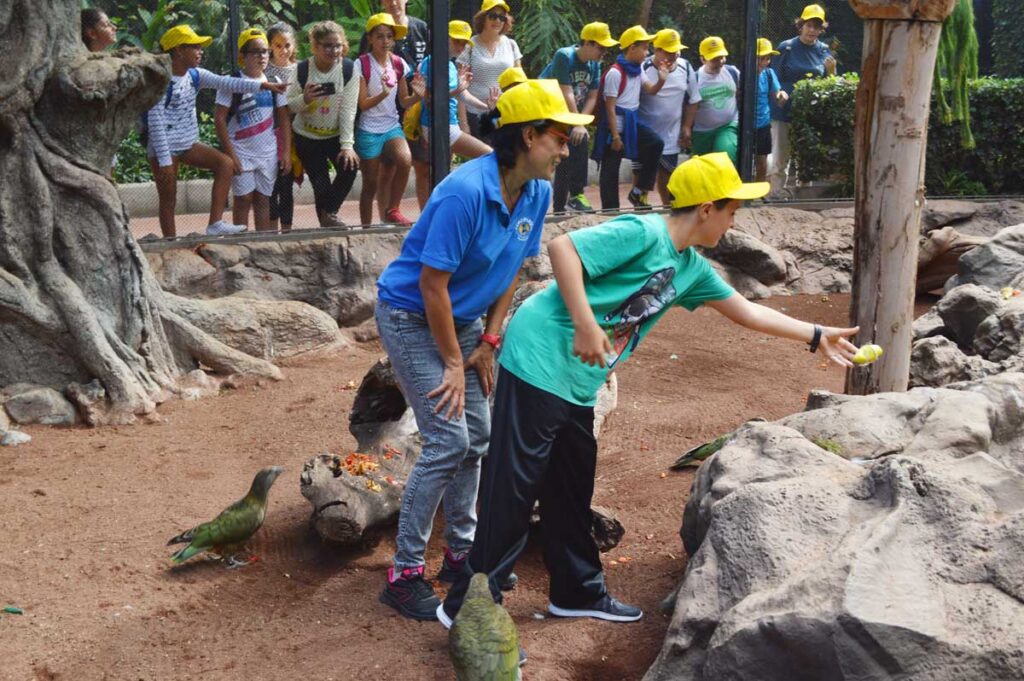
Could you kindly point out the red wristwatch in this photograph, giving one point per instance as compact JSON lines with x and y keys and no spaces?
{"x":491,"y":339}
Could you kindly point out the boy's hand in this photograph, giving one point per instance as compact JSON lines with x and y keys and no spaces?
{"x":781,"y":97}
{"x":830,"y":65}
{"x":279,"y":88}
{"x":835,"y":347}
{"x":591,"y":344}
{"x":617,"y":143}
{"x":482,"y":359}
{"x":285,"y":165}
{"x":452,"y":392}
{"x":238,"y":165}
{"x":347,"y":159}
{"x":685,"y":137}
{"x":418,"y":84}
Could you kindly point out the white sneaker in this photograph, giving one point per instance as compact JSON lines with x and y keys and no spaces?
{"x":221,"y":228}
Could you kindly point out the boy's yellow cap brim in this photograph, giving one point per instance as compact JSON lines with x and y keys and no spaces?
{"x":813,"y":12}
{"x":182,"y":34}
{"x":708,"y":178}
{"x":713,"y":47}
{"x":764,"y":48}
{"x":385,"y":19}
{"x":459,"y":30}
{"x":537,"y":100}
{"x":250,"y":34}
{"x":668,"y":40}
{"x":511,"y":76}
{"x":599,"y":33}
{"x":634,"y":34}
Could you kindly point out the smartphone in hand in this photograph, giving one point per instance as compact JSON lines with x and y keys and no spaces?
{"x":327,"y":89}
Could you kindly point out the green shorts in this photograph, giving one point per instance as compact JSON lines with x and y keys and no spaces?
{"x":725,"y":138}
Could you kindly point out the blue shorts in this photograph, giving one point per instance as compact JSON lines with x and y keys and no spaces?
{"x":369,"y":145}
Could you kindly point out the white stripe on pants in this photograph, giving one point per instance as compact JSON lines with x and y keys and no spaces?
{"x":778,"y":175}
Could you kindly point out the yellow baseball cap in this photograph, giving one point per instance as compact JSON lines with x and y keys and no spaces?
{"x":459,"y":30}
{"x":711,"y":177}
{"x":385,"y":19}
{"x":599,"y":33}
{"x":488,"y":5}
{"x":511,"y":76}
{"x":247,"y":35}
{"x":764,"y":48}
{"x":634,"y":34}
{"x":537,"y":100}
{"x":668,"y":40}
{"x":713,"y":47}
{"x":813,"y":12}
{"x":182,"y":34}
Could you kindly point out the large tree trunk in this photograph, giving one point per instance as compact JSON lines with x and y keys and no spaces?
{"x":77,"y":299}
{"x":901,"y":41}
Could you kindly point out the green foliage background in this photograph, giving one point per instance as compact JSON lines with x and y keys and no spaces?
{"x":1008,"y":38}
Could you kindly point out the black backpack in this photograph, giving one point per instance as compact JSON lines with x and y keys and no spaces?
{"x":143,"y":123}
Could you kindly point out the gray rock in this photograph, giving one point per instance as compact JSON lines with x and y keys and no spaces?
{"x":5,"y":420}
{"x":942,"y":212}
{"x":994,"y":264}
{"x":937,"y":361}
{"x":1000,"y":337}
{"x":13,"y":438}
{"x":751,"y":256}
{"x":963,"y":308}
{"x":929,"y":324}
{"x":41,"y":405}
{"x":807,"y":566}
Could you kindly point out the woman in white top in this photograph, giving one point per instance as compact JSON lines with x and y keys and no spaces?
{"x":488,"y":54}
{"x":382,"y":87}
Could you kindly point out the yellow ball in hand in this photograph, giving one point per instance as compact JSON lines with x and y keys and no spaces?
{"x":867,"y":354}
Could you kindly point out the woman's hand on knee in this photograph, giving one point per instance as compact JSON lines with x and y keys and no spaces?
{"x":452,"y":392}
{"x":482,"y":360}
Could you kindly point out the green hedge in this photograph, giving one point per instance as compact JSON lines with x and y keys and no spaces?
{"x":133,"y":166}
{"x":822,"y":138}
{"x":1007,"y":38}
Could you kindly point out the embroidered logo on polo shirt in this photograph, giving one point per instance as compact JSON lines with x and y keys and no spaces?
{"x":523,"y":228}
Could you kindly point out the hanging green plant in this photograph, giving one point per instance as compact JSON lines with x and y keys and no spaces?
{"x":956,"y":64}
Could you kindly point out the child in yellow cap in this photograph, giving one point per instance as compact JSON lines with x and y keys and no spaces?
{"x":613,"y":283}
{"x":246,"y":127}
{"x":769,"y":93}
{"x":172,"y":130}
{"x":716,"y":125}
{"x":577,"y":69}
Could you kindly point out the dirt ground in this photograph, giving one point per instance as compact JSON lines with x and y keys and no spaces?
{"x":85,"y":515}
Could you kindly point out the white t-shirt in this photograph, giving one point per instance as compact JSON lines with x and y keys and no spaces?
{"x":718,"y":99}
{"x":663,"y":112}
{"x":384,"y":116}
{"x":251,"y":126}
{"x":630,"y":99}
{"x":486,"y":67}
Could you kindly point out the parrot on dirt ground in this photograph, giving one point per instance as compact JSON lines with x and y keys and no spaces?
{"x":226,"y":534}
{"x":483,"y":642}
{"x":695,"y":455}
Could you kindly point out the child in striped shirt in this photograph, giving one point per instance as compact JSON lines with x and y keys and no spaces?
{"x":173,"y":131}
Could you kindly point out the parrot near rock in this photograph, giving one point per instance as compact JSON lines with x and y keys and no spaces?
{"x":695,"y":455}
{"x":483,"y":642}
{"x":226,"y":534}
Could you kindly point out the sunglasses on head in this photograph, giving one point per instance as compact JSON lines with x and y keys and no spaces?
{"x":495,"y":16}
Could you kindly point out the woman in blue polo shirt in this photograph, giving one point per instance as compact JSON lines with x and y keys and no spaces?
{"x":459,"y":262}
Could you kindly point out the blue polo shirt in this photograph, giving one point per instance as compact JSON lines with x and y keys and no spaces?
{"x":466,"y":229}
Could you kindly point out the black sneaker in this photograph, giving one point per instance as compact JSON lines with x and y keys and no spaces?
{"x":639,"y":199}
{"x":607,"y":608}
{"x":410,"y":595}
{"x":452,"y":566}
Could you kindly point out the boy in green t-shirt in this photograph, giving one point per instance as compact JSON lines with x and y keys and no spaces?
{"x":613,"y":282}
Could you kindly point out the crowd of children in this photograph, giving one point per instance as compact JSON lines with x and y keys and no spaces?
{"x":342,"y":116}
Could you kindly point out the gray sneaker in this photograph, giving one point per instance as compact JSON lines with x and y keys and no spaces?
{"x":331,"y":220}
{"x":221,"y":228}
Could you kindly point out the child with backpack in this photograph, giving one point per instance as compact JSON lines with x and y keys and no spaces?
{"x":282,"y":68}
{"x":577,"y":69}
{"x":613,"y":282}
{"x":246,"y":127}
{"x":172,"y":130}
{"x":716,"y":126}
{"x":663,"y":112}
{"x":323,"y":98}
{"x":768,"y":89}
{"x":379,"y":135}
{"x":620,"y":134}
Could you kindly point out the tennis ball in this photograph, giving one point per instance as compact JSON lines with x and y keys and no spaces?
{"x":867,"y":354}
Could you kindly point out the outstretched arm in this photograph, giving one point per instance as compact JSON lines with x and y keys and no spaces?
{"x":590,"y":343}
{"x":834,"y":344}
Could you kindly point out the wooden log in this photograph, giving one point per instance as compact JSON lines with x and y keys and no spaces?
{"x":893,"y":102}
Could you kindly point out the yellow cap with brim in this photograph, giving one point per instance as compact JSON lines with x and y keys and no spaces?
{"x":713,"y":47}
{"x":385,"y":19}
{"x":711,"y":177}
{"x":459,"y":30}
{"x":599,"y":33}
{"x":668,"y":40}
{"x":537,"y":100}
{"x":764,"y":48}
{"x":488,"y":5}
{"x":182,"y":34}
{"x":247,"y":35}
{"x":634,"y":34}
{"x":511,"y":76}
{"x":813,"y":12}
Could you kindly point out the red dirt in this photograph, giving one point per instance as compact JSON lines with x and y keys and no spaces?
{"x":86,"y":513}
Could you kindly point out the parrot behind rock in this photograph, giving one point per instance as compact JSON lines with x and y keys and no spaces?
{"x":695,"y":455}
{"x":483,"y":642}
{"x":226,"y":534}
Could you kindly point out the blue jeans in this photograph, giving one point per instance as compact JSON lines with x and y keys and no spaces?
{"x":449,"y":465}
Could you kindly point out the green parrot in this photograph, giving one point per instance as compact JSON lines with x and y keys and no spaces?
{"x":483,"y":642}
{"x":695,"y":455}
{"x":226,"y":534}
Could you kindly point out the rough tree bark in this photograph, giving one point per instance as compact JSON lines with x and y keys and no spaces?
{"x":901,"y":39}
{"x":77,"y":299}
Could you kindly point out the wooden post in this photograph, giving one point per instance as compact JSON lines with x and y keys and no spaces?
{"x":901,"y":39}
